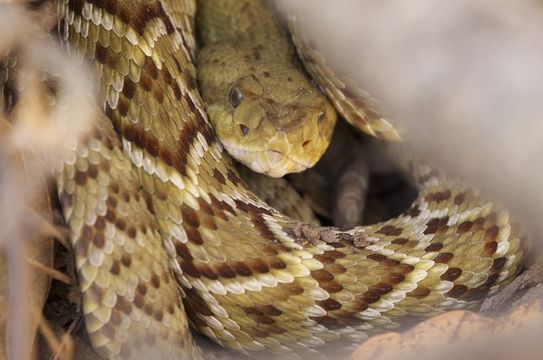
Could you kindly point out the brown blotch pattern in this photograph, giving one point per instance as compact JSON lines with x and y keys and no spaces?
{"x":390,"y":230}
{"x":451,"y":274}
{"x":444,"y":257}
{"x":435,"y":225}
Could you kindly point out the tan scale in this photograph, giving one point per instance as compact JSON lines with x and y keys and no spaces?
{"x":180,"y":211}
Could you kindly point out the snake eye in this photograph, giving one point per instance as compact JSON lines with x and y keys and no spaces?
{"x":321,"y":116}
{"x":235,"y":97}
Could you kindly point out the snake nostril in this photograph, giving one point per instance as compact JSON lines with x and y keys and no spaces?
{"x":244,"y":129}
{"x":305,"y":143}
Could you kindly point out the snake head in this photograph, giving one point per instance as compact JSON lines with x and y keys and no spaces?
{"x":268,"y":117}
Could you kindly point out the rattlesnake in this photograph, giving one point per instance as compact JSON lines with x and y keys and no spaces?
{"x":158,"y":213}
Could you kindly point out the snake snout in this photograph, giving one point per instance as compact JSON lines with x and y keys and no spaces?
{"x":274,"y":158}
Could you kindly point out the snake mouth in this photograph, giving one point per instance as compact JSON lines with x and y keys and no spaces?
{"x":270,"y":162}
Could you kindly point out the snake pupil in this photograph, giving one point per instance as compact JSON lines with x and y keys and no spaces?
{"x":235,"y":97}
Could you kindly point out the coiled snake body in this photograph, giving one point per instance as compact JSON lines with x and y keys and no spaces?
{"x":162,"y":226}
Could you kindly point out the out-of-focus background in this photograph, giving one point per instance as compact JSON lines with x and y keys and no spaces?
{"x":462,"y":81}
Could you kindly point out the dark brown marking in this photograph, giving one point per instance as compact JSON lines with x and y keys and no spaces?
{"x":148,"y":309}
{"x":460,"y":198}
{"x":439,"y":196}
{"x":262,"y":228}
{"x":82,"y":247}
{"x":251,"y":209}
{"x":150,"y":68}
{"x":209,"y":222}
{"x":464,"y":227}
{"x":131,"y":231}
{"x":434,"y":247}
{"x":176,"y":91}
{"x":276,"y":263}
{"x":382,"y":288}
{"x":120,"y":224}
{"x":420,"y":292}
{"x":158,"y":315}
{"x":80,"y":177}
{"x":377,"y":257}
{"x":395,"y":278}
{"x":155,"y":281}
{"x":478,"y":223}
{"x":114,"y":187}
{"x":323,"y":258}
{"x":208,"y":272}
{"x":234,"y":178}
{"x":126,"y":260}
{"x":443,"y":258}
{"x":129,"y":88}
{"x":490,"y":248}
{"x":457,"y":291}
{"x":194,"y":236}
{"x":76,"y":6}
{"x":451,"y":274}
{"x":405,"y":268}
{"x":115,"y":268}
{"x":336,"y":269}
{"x":242,"y":269}
{"x":413,"y":211}
{"x":226,"y":271}
{"x":219,"y":176}
{"x":491,"y":233}
{"x":100,"y":224}
{"x":371,"y":296}
{"x":334,"y":254}
{"x":205,"y":207}
{"x":258,"y":266}
{"x":492,"y":278}
{"x":195,"y":304}
{"x":99,"y":240}
{"x":294,"y":288}
{"x":498,"y":264}
{"x":400,"y":241}
{"x":329,"y":304}
{"x":141,"y":289}
{"x":435,"y":225}
{"x":322,"y":275}
{"x":92,"y":171}
{"x":123,"y":106}
{"x":327,"y":321}
{"x":389,"y":230}
{"x":146,"y":82}
{"x":332,"y":286}
{"x":391,"y":262}
{"x":337,"y":245}
{"x":123,"y":305}
{"x":271,"y":310}
{"x":190,"y":269}
{"x":139,"y":301}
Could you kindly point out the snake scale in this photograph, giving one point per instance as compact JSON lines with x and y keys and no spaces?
{"x":165,"y":233}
